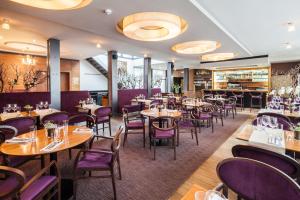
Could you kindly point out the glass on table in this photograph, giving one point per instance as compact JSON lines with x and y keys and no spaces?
{"x":65,"y":127}
{"x":33,"y":132}
{"x":210,"y":195}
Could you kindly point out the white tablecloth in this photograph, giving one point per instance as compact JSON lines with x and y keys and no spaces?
{"x":91,"y":107}
{"x":44,"y":112}
{"x":5,"y":116}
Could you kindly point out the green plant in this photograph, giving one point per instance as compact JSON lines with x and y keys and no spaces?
{"x":49,"y":125}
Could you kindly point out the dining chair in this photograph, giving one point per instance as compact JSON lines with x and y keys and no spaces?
{"x":256,"y":100}
{"x":286,"y":125}
{"x":56,"y":118}
{"x":9,"y":132}
{"x":79,"y":120}
{"x":171,"y":103}
{"x":255,"y":180}
{"x":158,"y":133}
{"x":186,"y":122}
{"x":15,"y":185}
{"x":102,"y":116}
{"x":240,"y":99}
{"x":282,"y":162}
{"x":133,"y":126}
{"x":230,"y":106}
{"x":218,"y":111}
{"x":98,"y":160}
{"x":277,"y":115}
{"x":204,"y":114}
{"x":22,"y":124}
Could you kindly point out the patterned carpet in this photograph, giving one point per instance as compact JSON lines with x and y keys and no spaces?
{"x":144,"y":178}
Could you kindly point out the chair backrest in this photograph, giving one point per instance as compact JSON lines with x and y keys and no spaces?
{"x":171,"y":100}
{"x":155,"y":124}
{"x":7,"y":132}
{"x":103,"y":112}
{"x":116,"y":143}
{"x":282,"y":162}
{"x":56,"y":118}
{"x":285,"y":124}
{"x":255,"y":180}
{"x":82,"y":117}
{"x":125,"y":115}
{"x":156,"y":102}
{"x":22,"y":124}
{"x":277,"y":115}
{"x":12,"y":181}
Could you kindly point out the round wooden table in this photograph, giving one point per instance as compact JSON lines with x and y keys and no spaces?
{"x":195,"y":104}
{"x":164,"y":113}
{"x":35,"y":148}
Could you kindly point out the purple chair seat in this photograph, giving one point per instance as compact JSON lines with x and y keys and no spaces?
{"x":205,"y":116}
{"x":15,"y":161}
{"x":38,"y":187}
{"x":164,"y":134}
{"x":228,"y":106}
{"x":135,"y":124}
{"x":94,"y":160}
{"x":102,"y":119}
{"x":185,"y":124}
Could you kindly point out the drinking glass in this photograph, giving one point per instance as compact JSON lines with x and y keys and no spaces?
{"x":8,"y":107}
{"x":33,"y":132}
{"x":14,"y":107}
{"x":212,"y":194}
{"x":46,"y":104}
{"x":273,"y":123}
{"x":265,"y":120}
{"x":57,"y":134}
{"x":4,"y":110}
{"x":41,"y":105}
{"x":65,"y":127}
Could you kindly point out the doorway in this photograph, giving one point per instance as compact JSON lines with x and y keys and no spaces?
{"x":65,"y":81}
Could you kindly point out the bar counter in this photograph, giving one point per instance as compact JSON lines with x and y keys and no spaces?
{"x":247,"y":97}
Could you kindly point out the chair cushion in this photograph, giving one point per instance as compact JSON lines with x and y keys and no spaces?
{"x":102,"y":119}
{"x":135,"y":124}
{"x":228,"y":106}
{"x":205,"y":116}
{"x":164,"y":134}
{"x":15,"y":161}
{"x":94,"y":160}
{"x":37,"y":187}
{"x":8,"y":185}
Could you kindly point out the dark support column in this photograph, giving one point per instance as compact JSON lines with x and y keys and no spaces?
{"x":113,"y":80}
{"x":186,"y":79}
{"x":53,"y":62}
{"x":169,"y":82}
{"x":147,"y":75}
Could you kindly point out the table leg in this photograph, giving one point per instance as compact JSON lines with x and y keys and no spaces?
{"x":53,"y":156}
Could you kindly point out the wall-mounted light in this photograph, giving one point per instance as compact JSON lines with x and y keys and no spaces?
{"x":108,"y":11}
{"x":28,"y":60}
{"x":5,"y":24}
{"x":98,"y":45}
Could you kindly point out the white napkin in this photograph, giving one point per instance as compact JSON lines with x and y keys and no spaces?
{"x":44,"y":112}
{"x":82,"y":130}
{"x":16,"y":140}
{"x":52,"y":146}
{"x":5,"y":116}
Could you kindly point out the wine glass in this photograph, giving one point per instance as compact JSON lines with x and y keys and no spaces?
{"x":8,"y":107}
{"x":14,"y":107}
{"x":46,"y":104}
{"x":41,"y":105}
{"x":273,"y":123}
{"x":212,"y":194}
{"x":265,"y":120}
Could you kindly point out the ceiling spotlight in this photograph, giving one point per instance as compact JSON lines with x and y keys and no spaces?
{"x":288,"y":45}
{"x":145,"y":55}
{"x":291,"y":27}
{"x":173,"y":60}
{"x":5,"y":24}
{"x":108,"y":11}
{"x":98,"y":45}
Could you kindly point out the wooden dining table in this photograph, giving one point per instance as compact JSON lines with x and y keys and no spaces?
{"x":291,"y":144}
{"x":155,"y":113}
{"x":190,"y":195}
{"x":195,"y":104}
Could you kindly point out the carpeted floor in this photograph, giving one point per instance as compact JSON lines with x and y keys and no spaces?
{"x":144,"y":178}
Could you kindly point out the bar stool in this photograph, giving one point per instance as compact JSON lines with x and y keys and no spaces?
{"x":222,"y":94}
{"x":257,"y":96}
{"x":240,"y":99}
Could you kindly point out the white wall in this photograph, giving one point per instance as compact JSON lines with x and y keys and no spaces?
{"x":90,"y":78}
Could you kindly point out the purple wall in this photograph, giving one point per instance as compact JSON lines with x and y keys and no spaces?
{"x":125,"y":96}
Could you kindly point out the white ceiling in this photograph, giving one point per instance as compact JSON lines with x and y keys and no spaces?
{"x":243,"y":27}
{"x":260,"y":25}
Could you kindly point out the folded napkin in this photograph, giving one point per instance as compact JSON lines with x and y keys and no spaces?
{"x":83,"y":130}
{"x":53,"y":145}
{"x":5,"y":116}
{"x":16,"y":140}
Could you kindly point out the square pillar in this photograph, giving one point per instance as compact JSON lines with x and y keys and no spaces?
{"x":113,"y":80}
{"x":186,"y":79}
{"x":169,"y":82}
{"x":147,"y":75}
{"x":53,"y":63}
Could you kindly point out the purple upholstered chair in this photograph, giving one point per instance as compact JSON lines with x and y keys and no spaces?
{"x":282,"y":162}
{"x":218,"y":111}
{"x":158,"y":133}
{"x":99,"y":160}
{"x":157,"y":102}
{"x":205,"y":114}
{"x":15,"y":161}
{"x":255,"y":180}
{"x":281,"y":120}
{"x":78,"y":119}
{"x":133,"y":126}
{"x":186,"y":122}
{"x":22,"y":124}
{"x":171,"y":104}
{"x":102,"y":116}
{"x":15,"y":186}
{"x":57,"y":117}
{"x":230,"y":106}
{"x":277,"y":115}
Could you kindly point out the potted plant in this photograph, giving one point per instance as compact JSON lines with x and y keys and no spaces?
{"x":176,"y":88}
{"x":50,"y":129}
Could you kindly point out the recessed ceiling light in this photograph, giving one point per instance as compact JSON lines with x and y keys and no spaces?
{"x":55,"y":4}
{"x":25,"y":46}
{"x":173,"y":60}
{"x":108,"y":11}
{"x":5,"y":24}
{"x":217,"y":56}
{"x":98,"y":45}
{"x":288,"y":45}
{"x":196,"y":47}
{"x":152,"y":26}
{"x":145,"y":55}
{"x":291,"y":27}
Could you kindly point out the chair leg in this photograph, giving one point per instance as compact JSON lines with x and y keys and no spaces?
{"x":196,"y":135}
{"x":119,"y":167}
{"x":74,"y":188}
{"x":154,"y":148}
{"x":174,"y":146}
{"x":109,"y":126}
{"x":144,"y":137}
{"x":103,"y":128}
{"x":222,"y":121}
{"x":125,"y":138}
{"x":212,"y":124}
{"x":42,"y":161}
{"x":97,"y":130}
{"x":113,"y":182}
{"x":70,"y":154}
{"x":177,"y":137}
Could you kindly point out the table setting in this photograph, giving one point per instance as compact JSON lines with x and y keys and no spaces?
{"x":88,"y":105}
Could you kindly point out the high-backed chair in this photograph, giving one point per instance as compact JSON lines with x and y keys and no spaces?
{"x":239,"y":99}
{"x":102,"y":116}
{"x":277,"y":115}
{"x":256,"y":100}
{"x":188,"y":123}
{"x":158,"y":133}
{"x":57,"y":117}
{"x":281,"y":120}
{"x":255,"y":180}
{"x":133,"y":126}
{"x":14,"y":185}
{"x":205,"y":113}
{"x":22,"y":124}
{"x":282,"y":162}
{"x":9,"y":132}
{"x":99,"y":160}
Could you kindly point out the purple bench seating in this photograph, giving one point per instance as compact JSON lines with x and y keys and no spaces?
{"x":69,"y":99}
{"x":125,"y":96}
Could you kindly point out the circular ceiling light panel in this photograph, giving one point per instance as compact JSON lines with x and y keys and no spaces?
{"x":217,"y":56}
{"x":152,"y":26}
{"x":55,"y":4}
{"x":24,"y":46}
{"x":196,"y":47}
